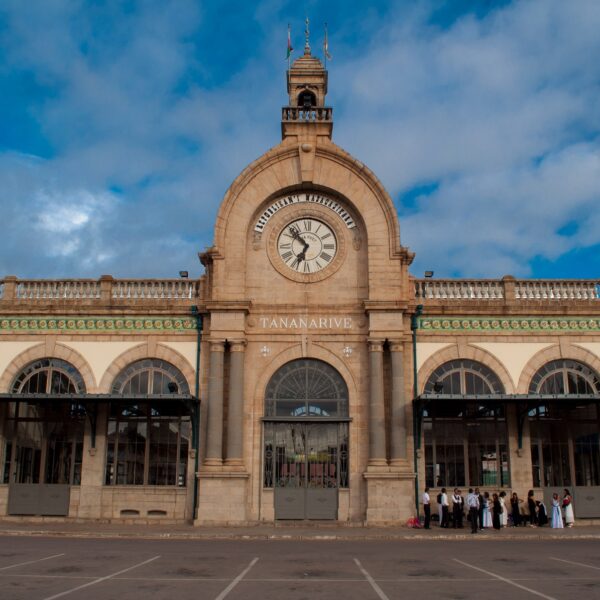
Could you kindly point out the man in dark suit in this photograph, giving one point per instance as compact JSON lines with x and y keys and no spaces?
{"x":480,"y":509}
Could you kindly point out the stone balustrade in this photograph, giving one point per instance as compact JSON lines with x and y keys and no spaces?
{"x":40,"y":289}
{"x":303,"y":115}
{"x":506,"y":289}
{"x":557,"y":290}
{"x":458,"y":289}
{"x":106,"y":290}
{"x":157,"y":289}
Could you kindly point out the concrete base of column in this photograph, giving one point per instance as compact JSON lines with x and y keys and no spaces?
{"x":234,"y":462}
{"x":213,"y":462}
{"x":390,"y":498}
{"x":222,"y":499}
{"x":377,"y":462}
{"x":401,"y":465}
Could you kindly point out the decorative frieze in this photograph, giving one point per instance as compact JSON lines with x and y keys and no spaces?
{"x":96,"y":324}
{"x":521,"y":324}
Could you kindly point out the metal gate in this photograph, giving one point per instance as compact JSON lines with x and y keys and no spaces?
{"x":307,"y":464}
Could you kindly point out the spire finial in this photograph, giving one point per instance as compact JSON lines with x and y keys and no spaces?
{"x":307,"y":34}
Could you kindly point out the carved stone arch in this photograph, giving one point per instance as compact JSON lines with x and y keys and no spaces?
{"x":294,"y":353}
{"x":334,"y":153}
{"x":283,"y":152}
{"x":568,"y":351}
{"x":143,"y":351}
{"x":465,"y":352}
{"x":43,"y":351}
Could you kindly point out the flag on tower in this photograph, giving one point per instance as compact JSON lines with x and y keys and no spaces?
{"x":289,"y":46}
{"x":326,"y":46}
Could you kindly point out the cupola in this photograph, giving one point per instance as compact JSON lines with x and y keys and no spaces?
{"x":307,"y":88}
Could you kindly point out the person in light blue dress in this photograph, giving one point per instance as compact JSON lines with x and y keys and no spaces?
{"x":487,"y":513}
{"x":556,"y":521}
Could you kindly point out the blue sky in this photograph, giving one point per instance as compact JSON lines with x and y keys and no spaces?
{"x":123,"y":123}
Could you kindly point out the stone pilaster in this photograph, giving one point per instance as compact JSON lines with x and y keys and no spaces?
{"x":398,"y":453}
{"x":377,"y":441}
{"x":93,"y":468}
{"x":236,"y":404}
{"x":214,"y":444}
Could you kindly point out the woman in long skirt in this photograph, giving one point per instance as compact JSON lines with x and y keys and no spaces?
{"x":556,"y":521}
{"x":515,"y":509}
{"x":567,"y":503}
{"x":504,"y":515}
{"x":496,"y":511}
{"x":487,"y":513}
{"x":542,"y":513}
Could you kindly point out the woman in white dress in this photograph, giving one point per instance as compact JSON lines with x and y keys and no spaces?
{"x":556,"y":521}
{"x":504,"y":515}
{"x":487,"y":513}
{"x":567,"y":503}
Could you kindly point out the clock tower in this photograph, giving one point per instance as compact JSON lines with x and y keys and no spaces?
{"x":307,"y":351}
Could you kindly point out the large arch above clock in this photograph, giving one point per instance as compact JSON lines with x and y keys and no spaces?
{"x":334,"y":174}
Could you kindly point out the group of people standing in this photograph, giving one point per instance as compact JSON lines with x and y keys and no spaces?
{"x":485,"y":511}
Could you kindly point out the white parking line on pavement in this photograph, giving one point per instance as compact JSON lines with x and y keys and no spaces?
{"x":236,"y":580}
{"x":374,"y":585}
{"x":30,"y":562}
{"x":509,"y":581}
{"x":100,"y":579}
{"x":572,"y":562}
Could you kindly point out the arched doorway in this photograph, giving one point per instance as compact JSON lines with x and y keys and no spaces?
{"x":44,"y":432}
{"x":466,"y":442}
{"x":306,"y":439}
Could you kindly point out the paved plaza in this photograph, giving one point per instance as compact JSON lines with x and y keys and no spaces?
{"x":36,"y":567}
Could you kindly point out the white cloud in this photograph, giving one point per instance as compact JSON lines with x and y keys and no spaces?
{"x":500,"y":111}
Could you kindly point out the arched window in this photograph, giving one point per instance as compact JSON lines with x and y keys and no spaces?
{"x":306,"y":427}
{"x":44,"y":441}
{"x":49,"y":376}
{"x":556,"y":448}
{"x":465,"y":440}
{"x":463,"y":377}
{"x":148,"y":440}
{"x":306,"y":387}
{"x":565,"y":376}
{"x":150,"y":376}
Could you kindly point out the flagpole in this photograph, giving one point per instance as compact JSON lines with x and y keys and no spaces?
{"x":326,"y":54}
{"x":289,"y":55}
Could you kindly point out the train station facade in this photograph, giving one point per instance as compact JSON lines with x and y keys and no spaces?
{"x":307,"y":375}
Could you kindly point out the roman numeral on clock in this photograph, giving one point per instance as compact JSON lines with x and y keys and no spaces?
{"x":326,"y":257}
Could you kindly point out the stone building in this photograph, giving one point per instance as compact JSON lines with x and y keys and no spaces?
{"x":306,"y":375}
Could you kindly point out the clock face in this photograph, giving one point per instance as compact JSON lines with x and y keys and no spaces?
{"x":307,"y":245}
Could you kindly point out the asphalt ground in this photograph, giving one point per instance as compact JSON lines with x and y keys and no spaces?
{"x":48,"y":568}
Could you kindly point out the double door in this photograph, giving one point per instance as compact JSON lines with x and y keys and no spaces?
{"x":309,"y":464}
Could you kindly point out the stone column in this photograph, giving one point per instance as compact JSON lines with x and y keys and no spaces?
{"x":214,"y":436}
{"x":377,"y":446}
{"x":398,"y":433}
{"x":236,"y":404}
